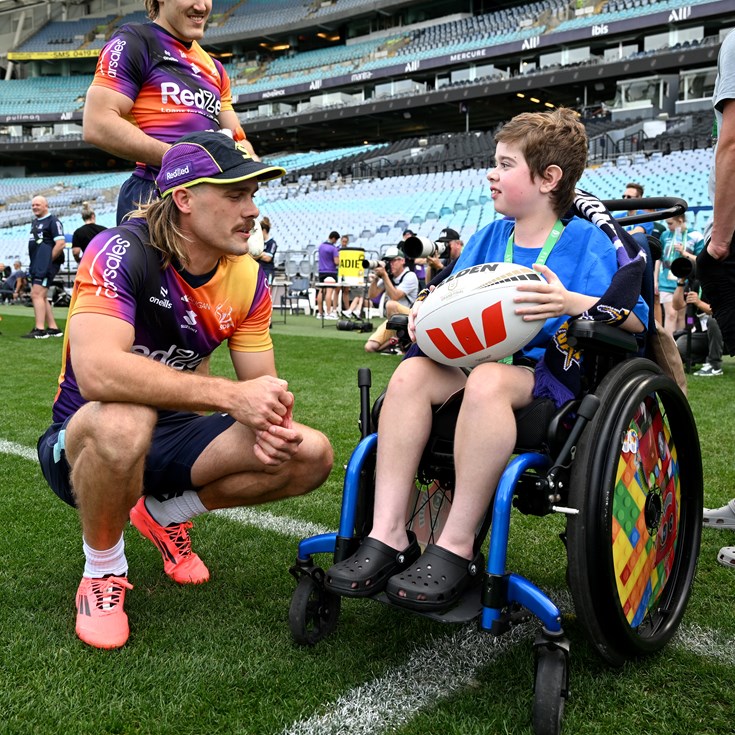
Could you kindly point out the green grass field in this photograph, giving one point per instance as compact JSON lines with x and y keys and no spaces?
{"x":220,"y":658}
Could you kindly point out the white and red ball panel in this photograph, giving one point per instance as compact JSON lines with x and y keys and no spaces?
{"x":470,"y":317}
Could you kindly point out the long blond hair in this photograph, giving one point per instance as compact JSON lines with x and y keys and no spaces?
{"x":164,"y":223}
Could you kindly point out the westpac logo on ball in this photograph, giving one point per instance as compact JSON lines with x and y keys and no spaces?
{"x":476,"y":323}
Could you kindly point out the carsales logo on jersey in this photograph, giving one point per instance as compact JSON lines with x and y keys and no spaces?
{"x":202,"y":99}
{"x":113,"y":60}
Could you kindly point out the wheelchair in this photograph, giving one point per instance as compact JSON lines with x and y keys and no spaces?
{"x":622,"y":463}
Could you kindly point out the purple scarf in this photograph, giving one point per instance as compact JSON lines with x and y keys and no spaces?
{"x":559,"y":372}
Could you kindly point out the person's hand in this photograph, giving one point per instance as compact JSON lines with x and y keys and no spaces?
{"x":542,"y":299}
{"x":692,"y":298}
{"x":412,"y":316}
{"x":266,"y":406}
{"x":679,"y":247}
{"x":719,"y":251}
{"x":279,"y":443}
{"x":262,"y":402}
{"x":380,"y":271}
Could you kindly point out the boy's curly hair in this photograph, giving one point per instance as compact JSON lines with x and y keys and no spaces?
{"x":555,"y":138}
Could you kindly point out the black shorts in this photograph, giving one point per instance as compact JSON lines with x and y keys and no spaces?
{"x":178,"y":441}
{"x":135,"y":191}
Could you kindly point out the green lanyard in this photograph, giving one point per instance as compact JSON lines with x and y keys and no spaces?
{"x":551,"y":240}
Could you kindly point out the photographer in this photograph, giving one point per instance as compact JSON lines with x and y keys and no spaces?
{"x":452,"y":251}
{"x":701,"y":341}
{"x":678,"y":241}
{"x":399,"y":287}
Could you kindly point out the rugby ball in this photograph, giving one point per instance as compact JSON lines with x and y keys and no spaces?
{"x":470,"y":317}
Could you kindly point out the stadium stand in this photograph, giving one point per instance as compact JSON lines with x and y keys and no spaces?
{"x":423,"y":169}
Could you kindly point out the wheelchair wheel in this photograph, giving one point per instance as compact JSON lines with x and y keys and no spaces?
{"x":637,"y":483}
{"x":549,"y":692}
{"x":313,"y":613}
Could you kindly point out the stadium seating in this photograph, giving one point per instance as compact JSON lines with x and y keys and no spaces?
{"x":374,"y":210}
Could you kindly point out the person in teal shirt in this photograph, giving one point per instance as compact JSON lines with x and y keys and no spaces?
{"x":677,"y":242}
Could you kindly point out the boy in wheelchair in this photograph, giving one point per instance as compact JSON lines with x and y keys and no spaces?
{"x":539,"y":160}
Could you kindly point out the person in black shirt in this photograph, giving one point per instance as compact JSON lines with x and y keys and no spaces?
{"x":83,"y":235}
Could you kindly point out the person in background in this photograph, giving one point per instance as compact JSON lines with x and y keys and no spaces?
{"x":399,"y":288}
{"x":83,"y":235}
{"x":46,"y":251}
{"x":16,"y":282}
{"x":701,"y":342}
{"x":677,"y":242}
{"x":266,"y":259}
{"x":145,"y":92}
{"x":716,"y":262}
{"x":327,"y":268}
{"x":453,"y":249}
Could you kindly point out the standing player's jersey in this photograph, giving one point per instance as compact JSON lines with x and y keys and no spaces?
{"x":179,"y":319}
{"x":177,"y":88}
{"x":45,"y":231}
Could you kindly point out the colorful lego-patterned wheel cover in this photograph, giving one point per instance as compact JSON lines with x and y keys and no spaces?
{"x":645,"y":513}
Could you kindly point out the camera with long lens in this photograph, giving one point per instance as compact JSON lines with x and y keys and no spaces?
{"x":357,"y":325}
{"x":421,"y":247}
{"x":683,"y":269}
{"x":373,"y":264}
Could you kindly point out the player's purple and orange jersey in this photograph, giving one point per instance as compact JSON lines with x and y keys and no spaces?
{"x":177,"y":88}
{"x":179,"y":319}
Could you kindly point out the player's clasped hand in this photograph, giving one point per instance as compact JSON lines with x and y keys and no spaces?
{"x":262,"y":402}
{"x":268,"y":409}
{"x":542,"y":299}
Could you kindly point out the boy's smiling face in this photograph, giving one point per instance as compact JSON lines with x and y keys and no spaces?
{"x":512,"y":189}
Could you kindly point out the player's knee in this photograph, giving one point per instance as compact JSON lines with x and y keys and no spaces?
{"x":316,"y":458}
{"x":120,"y":433}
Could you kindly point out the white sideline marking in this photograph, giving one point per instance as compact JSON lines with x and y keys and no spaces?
{"x":705,"y":642}
{"x":18,"y":450}
{"x":270,"y":522}
{"x":433,"y":671}
{"x":246,"y":516}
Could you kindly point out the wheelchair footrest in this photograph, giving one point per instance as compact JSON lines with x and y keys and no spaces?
{"x":468,"y":608}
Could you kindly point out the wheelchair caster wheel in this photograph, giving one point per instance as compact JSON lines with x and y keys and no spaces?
{"x":313,"y":613}
{"x":549,"y":692}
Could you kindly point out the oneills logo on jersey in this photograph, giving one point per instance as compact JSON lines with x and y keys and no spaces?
{"x":493,"y":332}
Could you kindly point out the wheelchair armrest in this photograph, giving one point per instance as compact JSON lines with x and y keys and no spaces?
{"x":599,"y":337}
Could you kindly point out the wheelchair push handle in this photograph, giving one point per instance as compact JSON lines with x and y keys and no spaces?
{"x":364,"y":382}
{"x":663,"y":208}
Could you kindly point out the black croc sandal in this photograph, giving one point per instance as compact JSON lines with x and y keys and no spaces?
{"x":436,"y":582}
{"x":365,"y":572}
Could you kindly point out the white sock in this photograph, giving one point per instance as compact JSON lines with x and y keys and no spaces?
{"x":178,"y":508}
{"x":99,"y":563}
